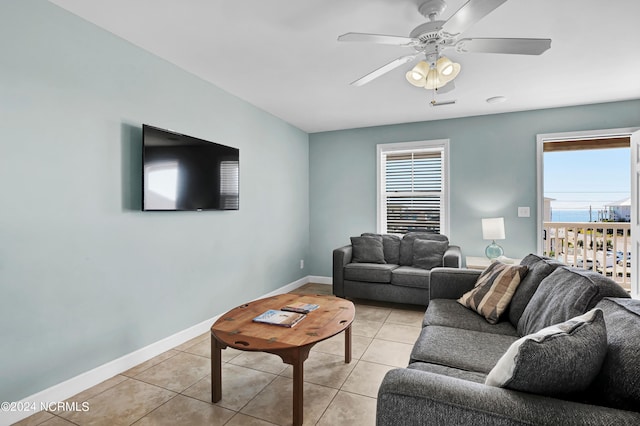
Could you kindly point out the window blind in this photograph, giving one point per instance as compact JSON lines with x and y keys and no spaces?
{"x":413,"y":191}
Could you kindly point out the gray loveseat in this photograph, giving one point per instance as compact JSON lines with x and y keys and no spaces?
{"x":391,"y":269}
{"x":444,"y":383}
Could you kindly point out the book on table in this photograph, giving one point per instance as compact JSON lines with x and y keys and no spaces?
{"x":300,"y":307}
{"x":281,"y":318}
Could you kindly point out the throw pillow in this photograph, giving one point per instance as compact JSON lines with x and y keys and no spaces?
{"x":558,"y":360}
{"x":390,"y":246}
{"x":367,"y":249}
{"x":406,"y":245}
{"x":428,"y":254}
{"x":493,"y":290}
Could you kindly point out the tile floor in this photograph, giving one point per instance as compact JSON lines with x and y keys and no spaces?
{"x":174,"y":388}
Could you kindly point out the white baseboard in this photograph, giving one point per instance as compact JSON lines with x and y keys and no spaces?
{"x":320,"y":280}
{"x":83,"y":381}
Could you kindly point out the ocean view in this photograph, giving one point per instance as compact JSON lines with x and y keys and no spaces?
{"x":570,"y":215}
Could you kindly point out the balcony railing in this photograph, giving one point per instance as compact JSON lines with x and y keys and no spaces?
{"x":603,"y":247}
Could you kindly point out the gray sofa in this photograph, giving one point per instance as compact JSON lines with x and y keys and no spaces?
{"x":444,"y":382}
{"x":391,"y":269}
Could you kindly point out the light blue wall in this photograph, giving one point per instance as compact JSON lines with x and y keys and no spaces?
{"x":493,"y":171}
{"x":85,"y":276}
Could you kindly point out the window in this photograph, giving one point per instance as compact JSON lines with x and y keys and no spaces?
{"x":413,"y":187}
{"x":229,"y":185}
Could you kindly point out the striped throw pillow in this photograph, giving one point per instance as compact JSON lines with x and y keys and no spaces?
{"x":494,"y":289}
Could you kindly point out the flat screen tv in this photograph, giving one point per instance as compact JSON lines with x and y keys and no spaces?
{"x":184,"y":173}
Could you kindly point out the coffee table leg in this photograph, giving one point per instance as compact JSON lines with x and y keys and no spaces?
{"x":216,"y":370}
{"x":298,"y":391}
{"x":347,"y":345}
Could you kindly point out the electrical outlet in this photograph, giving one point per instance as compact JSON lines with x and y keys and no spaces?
{"x":301,"y":263}
{"x":524,"y":212}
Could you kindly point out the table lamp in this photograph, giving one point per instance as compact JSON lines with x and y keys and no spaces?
{"x":493,"y":229}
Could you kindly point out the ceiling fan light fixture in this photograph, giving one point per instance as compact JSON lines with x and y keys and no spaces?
{"x":434,"y":80}
{"x":444,"y":66}
{"x":418,"y":74}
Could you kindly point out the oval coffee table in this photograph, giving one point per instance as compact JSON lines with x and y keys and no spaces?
{"x":237,"y":329}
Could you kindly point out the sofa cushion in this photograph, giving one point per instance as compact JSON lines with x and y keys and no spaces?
{"x":406,"y":245}
{"x":494,"y":289}
{"x":539,"y":269}
{"x":367,"y":249}
{"x":369,"y":272}
{"x":457,"y":348}
{"x":618,"y":382}
{"x":428,"y":254}
{"x":471,"y":376}
{"x":566,"y":293}
{"x":558,"y":360}
{"x":450,"y":313}
{"x":408,"y":276}
{"x":390,"y":246}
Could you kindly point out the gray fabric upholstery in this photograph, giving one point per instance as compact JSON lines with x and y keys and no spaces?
{"x":532,"y":258}
{"x":408,"y":276}
{"x":472,"y":376}
{"x":409,"y":397}
{"x":450,"y":313}
{"x":410,"y":285}
{"x":442,"y":384}
{"x":406,"y":245}
{"x":341,"y":258}
{"x":539,"y":269}
{"x":387,"y":293}
{"x":371,"y":272}
{"x":618,"y":382}
{"x":428,"y":254}
{"x":367,"y":249}
{"x":451,"y":283}
{"x":390,"y":246}
{"x":452,"y":257}
{"x":566,"y":293}
{"x":559,"y":360}
{"x":458,"y":348}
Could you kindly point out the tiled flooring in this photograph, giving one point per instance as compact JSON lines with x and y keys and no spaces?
{"x":174,"y":388}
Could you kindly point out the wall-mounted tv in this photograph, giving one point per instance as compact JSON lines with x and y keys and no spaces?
{"x":184,"y":173}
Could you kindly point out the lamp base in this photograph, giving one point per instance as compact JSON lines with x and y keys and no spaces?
{"x":493,"y":250}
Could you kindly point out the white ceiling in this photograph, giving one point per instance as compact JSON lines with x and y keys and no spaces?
{"x":282,"y":55}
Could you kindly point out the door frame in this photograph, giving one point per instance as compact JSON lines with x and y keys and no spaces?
{"x":634,"y":165}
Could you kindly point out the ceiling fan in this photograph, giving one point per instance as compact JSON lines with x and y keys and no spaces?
{"x":431,"y":38}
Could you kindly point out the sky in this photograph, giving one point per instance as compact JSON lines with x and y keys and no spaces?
{"x":579,"y":179}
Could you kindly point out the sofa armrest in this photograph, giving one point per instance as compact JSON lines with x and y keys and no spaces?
{"x":341,"y":257}
{"x":414,"y":397}
{"x":451,"y":283}
{"x":453,"y":257}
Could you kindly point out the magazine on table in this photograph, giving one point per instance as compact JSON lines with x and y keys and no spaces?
{"x":281,"y":318}
{"x":300,"y":307}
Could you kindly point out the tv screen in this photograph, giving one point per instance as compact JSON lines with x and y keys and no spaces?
{"x":182,"y":172}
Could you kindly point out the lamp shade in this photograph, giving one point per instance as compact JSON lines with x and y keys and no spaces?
{"x":493,"y":228}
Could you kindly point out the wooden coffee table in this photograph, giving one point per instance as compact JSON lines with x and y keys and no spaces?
{"x":236,"y":329}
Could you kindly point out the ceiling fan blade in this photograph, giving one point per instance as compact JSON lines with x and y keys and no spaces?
{"x":379,"y":38}
{"x":518,"y":46}
{"x":384,"y":69}
{"x":470,"y":13}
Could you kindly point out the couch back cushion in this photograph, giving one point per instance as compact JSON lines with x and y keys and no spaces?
{"x":406,"y":245}
{"x":564,"y":294}
{"x":390,"y":246}
{"x":618,"y":382}
{"x":539,"y":268}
